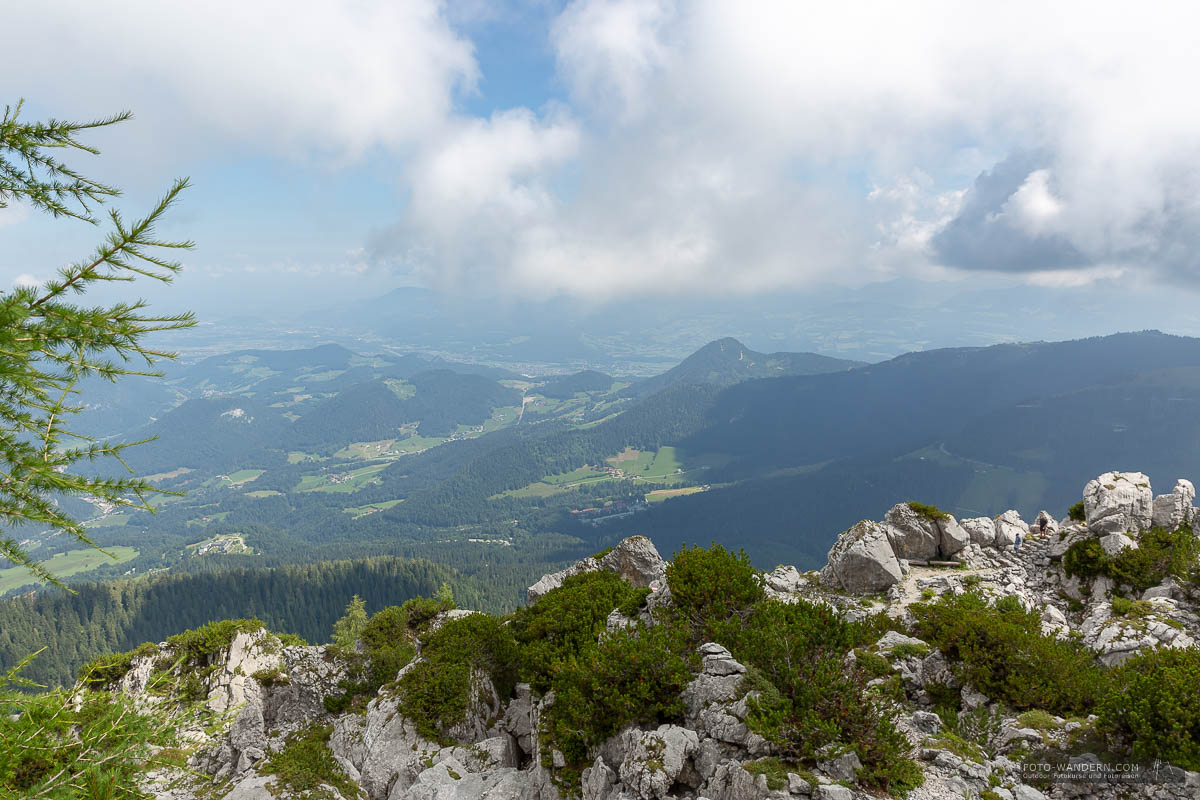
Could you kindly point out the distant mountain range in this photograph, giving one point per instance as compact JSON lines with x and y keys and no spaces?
{"x":325,"y":448}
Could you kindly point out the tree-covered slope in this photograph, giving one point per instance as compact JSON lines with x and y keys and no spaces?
{"x":728,"y":361}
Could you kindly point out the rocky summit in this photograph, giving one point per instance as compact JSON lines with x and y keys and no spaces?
{"x":931,"y":658}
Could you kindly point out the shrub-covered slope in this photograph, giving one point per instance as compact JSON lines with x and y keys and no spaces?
{"x":629,"y":677}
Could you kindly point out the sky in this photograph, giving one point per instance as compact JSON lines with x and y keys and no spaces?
{"x":599,"y":150}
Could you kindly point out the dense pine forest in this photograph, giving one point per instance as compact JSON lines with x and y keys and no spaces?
{"x":304,"y":600}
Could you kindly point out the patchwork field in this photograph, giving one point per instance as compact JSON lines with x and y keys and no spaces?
{"x":67,"y":564}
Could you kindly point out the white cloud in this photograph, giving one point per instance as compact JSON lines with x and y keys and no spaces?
{"x":705,"y":146}
{"x":1033,"y":206}
{"x":26,"y":281}
{"x":268,"y":76}
{"x":744,"y":147}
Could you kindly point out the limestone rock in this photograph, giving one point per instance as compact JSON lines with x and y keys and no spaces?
{"x":1175,"y":509}
{"x":731,"y":782}
{"x":1008,"y":525}
{"x":597,"y":780}
{"x":862,"y":560}
{"x":982,"y":530}
{"x":892,"y":639}
{"x":656,"y":761}
{"x":912,"y":536}
{"x":252,"y":787}
{"x":248,"y":653}
{"x":1116,"y":543}
{"x":635,"y":559}
{"x":394,"y":752}
{"x":952,"y":537}
{"x":842,"y":767}
{"x":1118,"y":502}
{"x":550,"y":582}
{"x":783,"y":581}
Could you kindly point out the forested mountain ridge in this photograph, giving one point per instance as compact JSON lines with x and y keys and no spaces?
{"x":778,"y":465}
{"x":727,"y":361}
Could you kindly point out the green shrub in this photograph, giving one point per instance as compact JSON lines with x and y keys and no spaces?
{"x":1121,"y":605}
{"x":1085,"y":559}
{"x":435,"y":693}
{"x":775,"y":770}
{"x":1010,"y":604}
{"x":713,"y":588}
{"x":633,"y":675}
{"x":271,"y":677}
{"x":52,"y":743}
{"x":105,"y":669}
{"x":1076,"y":512}
{"x":305,"y":763}
{"x":388,"y":638}
{"x":347,"y":629}
{"x":1039,"y":720}
{"x":388,"y":646}
{"x":1005,"y":655}
{"x":873,"y":664}
{"x":567,"y":620}
{"x":1154,"y":706}
{"x":931,"y":513}
{"x":198,"y":647}
{"x":810,"y":699}
{"x":910,"y":650}
{"x":1160,"y":554}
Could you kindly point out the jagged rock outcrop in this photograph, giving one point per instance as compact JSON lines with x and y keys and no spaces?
{"x":981,"y":530}
{"x":1118,"y":502}
{"x":635,"y":559}
{"x":920,"y":537}
{"x":862,"y":560}
{"x":1175,"y":509}
{"x":1008,"y":526}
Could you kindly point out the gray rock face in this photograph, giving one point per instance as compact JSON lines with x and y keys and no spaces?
{"x":1116,"y":543}
{"x":1118,"y":502}
{"x":926,"y":722}
{"x":550,"y":582}
{"x":912,"y":535}
{"x":862,"y":560}
{"x":657,"y":760}
{"x":1175,"y":509}
{"x":635,"y":559}
{"x":953,"y":537}
{"x":892,"y":639}
{"x":393,"y":752}
{"x":982,"y":530}
{"x":1008,"y":525}
{"x":842,"y":767}
{"x":783,"y":581}
{"x":597,"y":780}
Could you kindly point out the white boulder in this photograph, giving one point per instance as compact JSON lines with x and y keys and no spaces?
{"x":982,"y":530}
{"x":1118,"y":502}
{"x":1175,"y":509}
{"x":862,"y":561}
{"x":635,"y":559}
{"x":1008,"y":525}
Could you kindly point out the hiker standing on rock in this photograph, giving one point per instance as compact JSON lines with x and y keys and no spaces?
{"x":1017,"y":545}
{"x":1042,"y":526}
